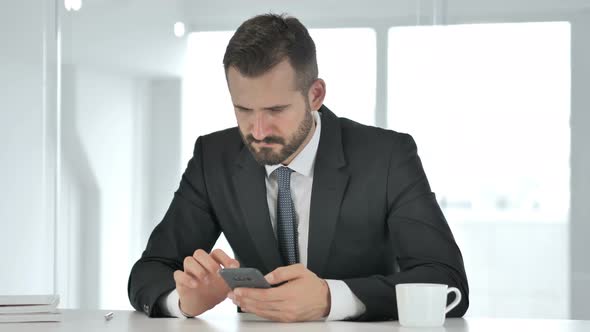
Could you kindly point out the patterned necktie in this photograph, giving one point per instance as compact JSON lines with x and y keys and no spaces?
{"x":286,"y":225}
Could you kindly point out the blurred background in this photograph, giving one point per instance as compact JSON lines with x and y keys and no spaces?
{"x":101,"y":102}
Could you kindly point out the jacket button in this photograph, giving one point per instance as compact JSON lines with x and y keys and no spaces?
{"x":146,"y":309}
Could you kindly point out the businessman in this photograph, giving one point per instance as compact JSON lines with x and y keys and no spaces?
{"x":335,"y":212}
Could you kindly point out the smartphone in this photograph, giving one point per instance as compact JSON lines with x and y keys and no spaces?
{"x":244,"y":277}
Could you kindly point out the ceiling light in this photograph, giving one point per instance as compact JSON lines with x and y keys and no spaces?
{"x":179,"y":29}
{"x":74,"y":5}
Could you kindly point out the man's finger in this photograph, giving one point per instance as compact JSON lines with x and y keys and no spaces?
{"x":183,"y":279}
{"x":260,"y":294}
{"x":222,"y":258}
{"x":286,"y":273}
{"x":255,"y":305}
{"x":206,"y":261}
{"x":194,"y":269}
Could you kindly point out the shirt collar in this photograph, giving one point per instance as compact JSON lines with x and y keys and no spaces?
{"x":305,"y":160}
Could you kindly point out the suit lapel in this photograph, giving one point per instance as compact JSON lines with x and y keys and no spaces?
{"x":329,"y":185}
{"x":249,"y":181}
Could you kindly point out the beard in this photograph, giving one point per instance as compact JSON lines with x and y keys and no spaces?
{"x":266,"y":156}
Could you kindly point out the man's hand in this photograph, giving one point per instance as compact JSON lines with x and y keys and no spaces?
{"x":199,"y":286}
{"x":304,"y":297}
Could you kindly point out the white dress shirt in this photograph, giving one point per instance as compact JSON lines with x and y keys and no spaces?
{"x":344,"y":304}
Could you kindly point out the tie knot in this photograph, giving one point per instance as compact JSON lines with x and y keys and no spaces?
{"x":283,"y":171}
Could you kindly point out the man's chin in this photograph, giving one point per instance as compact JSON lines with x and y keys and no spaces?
{"x":268,"y":160}
{"x":267,"y":157}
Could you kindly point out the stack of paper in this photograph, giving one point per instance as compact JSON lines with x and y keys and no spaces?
{"x":29,"y":308}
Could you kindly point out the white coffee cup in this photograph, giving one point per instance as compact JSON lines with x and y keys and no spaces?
{"x":424,"y":305}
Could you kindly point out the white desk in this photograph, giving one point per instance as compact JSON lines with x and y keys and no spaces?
{"x":87,"y":321}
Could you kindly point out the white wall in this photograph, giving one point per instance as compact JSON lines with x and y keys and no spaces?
{"x":163,"y":150}
{"x":26,"y":241}
{"x":580,"y":163}
{"x":120,"y":143}
{"x":120,"y":167}
{"x":96,"y":196}
{"x":26,"y":220}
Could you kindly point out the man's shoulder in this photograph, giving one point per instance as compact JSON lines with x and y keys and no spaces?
{"x":365,"y":134}
{"x":229,"y":135}
{"x":223,"y":143}
{"x":364,"y":144}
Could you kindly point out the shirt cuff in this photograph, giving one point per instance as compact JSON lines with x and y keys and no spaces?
{"x":170,"y":304}
{"x":343,"y":303}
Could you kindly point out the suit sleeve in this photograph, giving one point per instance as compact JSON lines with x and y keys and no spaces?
{"x":425,"y":249}
{"x":188,"y":225}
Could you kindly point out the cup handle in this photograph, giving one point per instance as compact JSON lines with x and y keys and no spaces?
{"x":456,"y":301}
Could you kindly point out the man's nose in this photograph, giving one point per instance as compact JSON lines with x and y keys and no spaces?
{"x":260,"y":130}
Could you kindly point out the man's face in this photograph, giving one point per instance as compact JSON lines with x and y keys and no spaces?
{"x":274,"y":118}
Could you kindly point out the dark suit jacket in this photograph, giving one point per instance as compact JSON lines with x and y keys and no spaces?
{"x":374,"y":221}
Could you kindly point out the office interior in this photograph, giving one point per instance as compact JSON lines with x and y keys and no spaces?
{"x":101,"y":102}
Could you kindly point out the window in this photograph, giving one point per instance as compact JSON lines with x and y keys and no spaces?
{"x":488,"y":105}
{"x":489,"y":108}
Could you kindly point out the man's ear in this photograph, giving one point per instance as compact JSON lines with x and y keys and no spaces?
{"x":316,"y":94}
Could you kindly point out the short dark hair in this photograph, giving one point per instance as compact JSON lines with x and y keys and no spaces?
{"x":263,"y":41}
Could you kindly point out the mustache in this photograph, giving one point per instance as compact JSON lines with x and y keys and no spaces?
{"x":267,"y":140}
